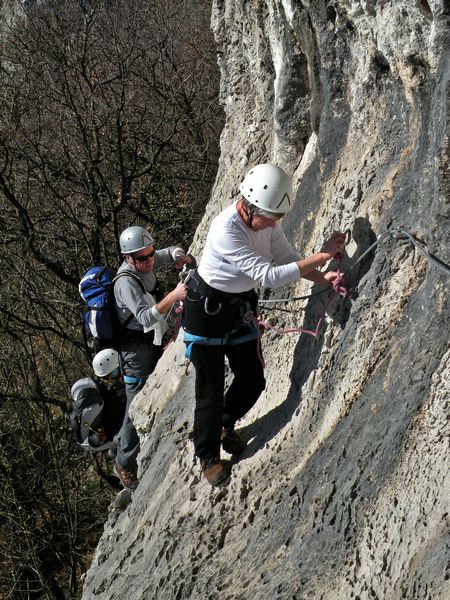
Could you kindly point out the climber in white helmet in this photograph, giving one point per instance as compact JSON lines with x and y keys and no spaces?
{"x":141,"y":308}
{"x":99,"y":404}
{"x":245,"y":246}
{"x":106,"y":363}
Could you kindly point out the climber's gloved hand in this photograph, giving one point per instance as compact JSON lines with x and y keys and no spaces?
{"x":180,"y":258}
{"x":187,"y":269}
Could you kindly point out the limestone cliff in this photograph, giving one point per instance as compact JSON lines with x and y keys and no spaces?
{"x":343,"y":490}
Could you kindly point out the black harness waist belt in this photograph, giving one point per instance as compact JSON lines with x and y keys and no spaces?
{"x":212,"y":313}
{"x":198,"y":285}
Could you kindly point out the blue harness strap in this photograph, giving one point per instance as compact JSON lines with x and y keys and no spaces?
{"x":190,"y":339}
{"x":130,"y":379}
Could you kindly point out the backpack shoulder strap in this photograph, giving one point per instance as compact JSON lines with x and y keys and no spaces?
{"x":132,"y":275}
{"x":136,"y":278}
{"x":102,"y":387}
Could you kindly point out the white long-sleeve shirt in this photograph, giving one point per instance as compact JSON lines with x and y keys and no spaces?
{"x":235,"y":257}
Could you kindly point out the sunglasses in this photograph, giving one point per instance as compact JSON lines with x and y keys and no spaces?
{"x":144,"y":257}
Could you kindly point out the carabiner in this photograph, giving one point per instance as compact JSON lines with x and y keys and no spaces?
{"x":211,"y":313}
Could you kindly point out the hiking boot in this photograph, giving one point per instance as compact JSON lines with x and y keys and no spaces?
{"x":129,"y":480}
{"x":231,"y":442}
{"x":214,"y":470}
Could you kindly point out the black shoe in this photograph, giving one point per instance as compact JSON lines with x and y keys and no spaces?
{"x":231,"y":442}
{"x":214,"y":470}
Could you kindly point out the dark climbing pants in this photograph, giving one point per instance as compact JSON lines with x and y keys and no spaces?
{"x":213,"y":408}
{"x":138,"y":360}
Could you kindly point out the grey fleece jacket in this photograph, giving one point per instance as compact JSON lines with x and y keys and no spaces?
{"x":128,"y":294}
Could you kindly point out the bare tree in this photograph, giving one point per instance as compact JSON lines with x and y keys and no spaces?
{"x":109,"y":117}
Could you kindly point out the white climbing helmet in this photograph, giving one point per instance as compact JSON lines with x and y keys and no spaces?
{"x":105,"y":362}
{"x":134,"y":238}
{"x":268,"y":187}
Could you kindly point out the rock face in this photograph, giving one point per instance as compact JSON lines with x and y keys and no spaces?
{"x":343,"y":491}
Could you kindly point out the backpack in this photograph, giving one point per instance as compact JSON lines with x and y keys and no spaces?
{"x":97,"y":413}
{"x":97,"y":290}
{"x":96,"y":416}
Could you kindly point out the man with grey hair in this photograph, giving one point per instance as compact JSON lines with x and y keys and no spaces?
{"x":245,"y":246}
{"x":141,"y":313}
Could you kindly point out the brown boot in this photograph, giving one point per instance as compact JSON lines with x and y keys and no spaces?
{"x":214,"y":470}
{"x":231,"y":442}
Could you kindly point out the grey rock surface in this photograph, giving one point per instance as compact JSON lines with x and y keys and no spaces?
{"x":343,"y":491}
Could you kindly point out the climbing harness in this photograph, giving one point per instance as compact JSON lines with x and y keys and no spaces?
{"x":214,"y":302}
{"x":210,"y":295}
{"x":226,"y":340}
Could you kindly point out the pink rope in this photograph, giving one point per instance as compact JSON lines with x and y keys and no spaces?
{"x":337,"y":288}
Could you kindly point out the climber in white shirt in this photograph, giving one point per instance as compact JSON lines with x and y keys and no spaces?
{"x":245,"y":246}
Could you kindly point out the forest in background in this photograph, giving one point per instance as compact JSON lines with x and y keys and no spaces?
{"x":109,"y":117}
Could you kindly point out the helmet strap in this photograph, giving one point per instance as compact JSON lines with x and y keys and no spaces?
{"x":251,"y":214}
{"x":248,"y":210}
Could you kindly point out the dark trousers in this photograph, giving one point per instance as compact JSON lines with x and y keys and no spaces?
{"x":213,"y":408}
{"x":138,"y":357}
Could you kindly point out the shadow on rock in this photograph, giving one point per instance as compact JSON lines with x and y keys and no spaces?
{"x":308,"y":349}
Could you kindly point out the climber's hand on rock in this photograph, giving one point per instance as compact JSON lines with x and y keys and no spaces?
{"x":334,"y":245}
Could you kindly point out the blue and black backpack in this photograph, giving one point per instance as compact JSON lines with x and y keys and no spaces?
{"x":97,"y":290}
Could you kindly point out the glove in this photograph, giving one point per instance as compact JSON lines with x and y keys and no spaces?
{"x":178,"y":253}
{"x":180,"y":257}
